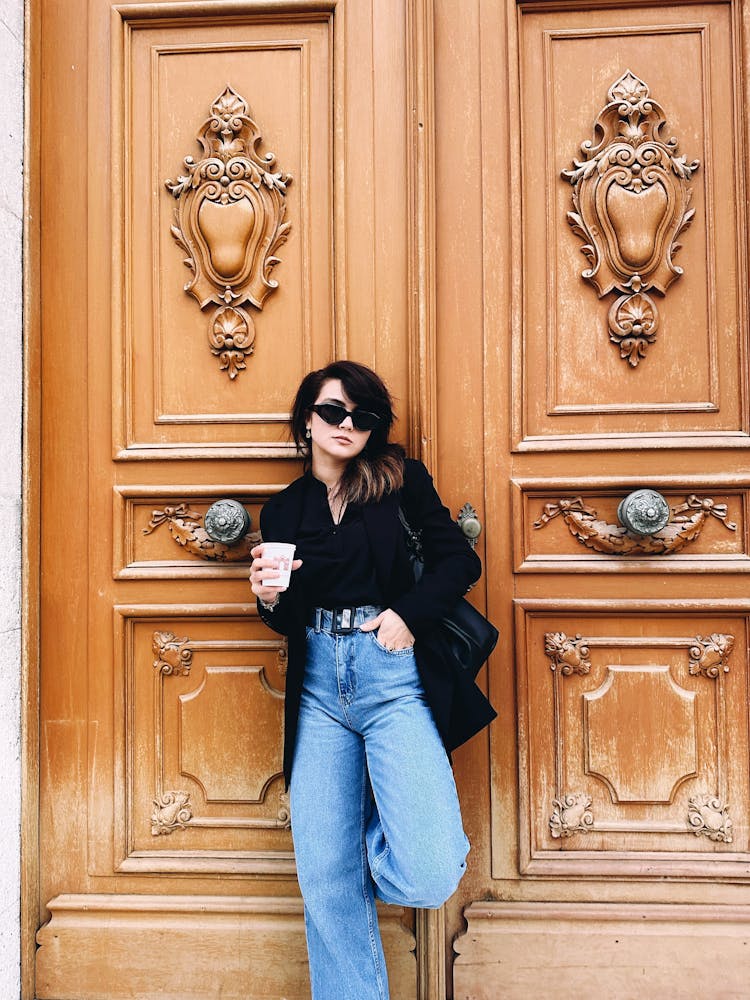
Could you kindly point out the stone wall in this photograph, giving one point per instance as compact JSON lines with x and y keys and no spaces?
{"x":11,"y":356}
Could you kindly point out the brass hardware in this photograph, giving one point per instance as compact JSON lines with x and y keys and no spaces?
{"x":226,"y":521}
{"x":468,"y":521}
{"x":644,"y":512}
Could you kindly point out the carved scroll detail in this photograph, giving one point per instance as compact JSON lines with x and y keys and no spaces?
{"x":685,"y":525}
{"x":186,"y":529}
{"x":230,"y":223}
{"x":284,"y":815}
{"x":569,"y":656}
{"x":708,"y":817}
{"x":571,"y":815}
{"x":630,"y":201}
{"x":282,"y":656}
{"x":173,"y":655}
{"x":172,"y":811}
{"x":709,"y":656}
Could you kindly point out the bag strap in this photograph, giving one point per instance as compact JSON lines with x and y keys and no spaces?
{"x":413,"y":537}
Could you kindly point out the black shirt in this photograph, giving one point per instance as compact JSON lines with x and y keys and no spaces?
{"x":337,"y":569}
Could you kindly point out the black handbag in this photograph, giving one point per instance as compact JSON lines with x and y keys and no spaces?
{"x":469,"y":637}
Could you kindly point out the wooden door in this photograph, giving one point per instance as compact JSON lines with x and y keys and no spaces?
{"x":228,"y":200}
{"x":611,"y":801}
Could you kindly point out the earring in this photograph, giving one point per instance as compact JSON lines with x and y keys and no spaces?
{"x":308,"y":433}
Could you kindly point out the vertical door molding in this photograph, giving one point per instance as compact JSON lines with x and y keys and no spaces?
{"x":422,"y":355}
{"x":430,"y":924}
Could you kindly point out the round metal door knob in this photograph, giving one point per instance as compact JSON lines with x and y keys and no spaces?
{"x":468,"y":521}
{"x":644,"y":512}
{"x":226,"y":521}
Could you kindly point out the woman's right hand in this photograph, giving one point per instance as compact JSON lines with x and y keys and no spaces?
{"x":258,"y":568}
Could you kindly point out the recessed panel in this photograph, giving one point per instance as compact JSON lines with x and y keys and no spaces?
{"x":161,"y":532}
{"x":634,"y":742}
{"x":226,"y":297}
{"x":203,"y":741}
{"x":631,"y":310}
{"x":575,"y":527}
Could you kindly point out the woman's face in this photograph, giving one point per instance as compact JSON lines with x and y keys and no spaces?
{"x":340,"y":442}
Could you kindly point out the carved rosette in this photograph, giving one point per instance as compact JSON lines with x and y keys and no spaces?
{"x":185,"y":527}
{"x":230,"y":223}
{"x":630,"y":201}
{"x":708,"y":817}
{"x":173,"y":655}
{"x":172,"y":811}
{"x":568,"y":656}
{"x":710,"y":654}
{"x":685,"y":525}
{"x":571,"y":815}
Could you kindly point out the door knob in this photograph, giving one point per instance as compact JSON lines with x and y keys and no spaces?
{"x":643,"y":512}
{"x":468,"y":521}
{"x":226,"y":521}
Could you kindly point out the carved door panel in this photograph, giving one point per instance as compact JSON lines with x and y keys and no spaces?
{"x":610,"y":157}
{"x":216,"y":203}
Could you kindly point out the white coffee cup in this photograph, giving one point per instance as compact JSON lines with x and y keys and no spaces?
{"x":284,"y":552}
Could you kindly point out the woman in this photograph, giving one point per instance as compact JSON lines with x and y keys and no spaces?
{"x":372,"y":705}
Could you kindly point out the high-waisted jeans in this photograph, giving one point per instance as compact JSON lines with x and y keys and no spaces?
{"x":373,"y":803}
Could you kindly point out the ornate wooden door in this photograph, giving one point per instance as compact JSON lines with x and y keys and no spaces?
{"x":604,"y":163}
{"x":228,"y":199}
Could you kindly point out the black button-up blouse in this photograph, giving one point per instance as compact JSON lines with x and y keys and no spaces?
{"x":338,"y":569}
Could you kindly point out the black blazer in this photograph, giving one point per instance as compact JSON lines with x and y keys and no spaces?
{"x":458,"y":706}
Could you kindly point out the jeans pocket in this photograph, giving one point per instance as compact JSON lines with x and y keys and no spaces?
{"x":407,"y":651}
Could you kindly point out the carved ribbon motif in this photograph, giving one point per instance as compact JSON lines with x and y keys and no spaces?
{"x":685,"y":525}
{"x":630,"y":200}
{"x":186,"y":529}
{"x":229,"y":222}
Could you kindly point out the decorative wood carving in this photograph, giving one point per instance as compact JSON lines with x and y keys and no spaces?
{"x":173,"y":655}
{"x":185,"y":527}
{"x":709,"y":817}
{"x":172,"y":811}
{"x":282,"y":656}
{"x":630,"y":200}
{"x":569,"y":656}
{"x":685,"y":525}
{"x":229,"y":222}
{"x":709,"y":656}
{"x":570,"y":815}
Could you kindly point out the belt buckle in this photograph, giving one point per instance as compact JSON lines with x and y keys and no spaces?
{"x":343,"y":620}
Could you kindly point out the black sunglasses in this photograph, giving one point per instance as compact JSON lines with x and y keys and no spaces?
{"x":334,"y":415}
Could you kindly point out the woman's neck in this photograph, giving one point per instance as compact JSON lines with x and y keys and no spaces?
{"x":328,"y":471}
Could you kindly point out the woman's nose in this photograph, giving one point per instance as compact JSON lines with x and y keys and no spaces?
{"x":347,"y":423}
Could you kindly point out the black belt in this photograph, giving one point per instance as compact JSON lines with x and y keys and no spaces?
{"x":341,"y":620}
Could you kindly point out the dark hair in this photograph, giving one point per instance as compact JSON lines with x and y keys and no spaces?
{"x":379,"y":467}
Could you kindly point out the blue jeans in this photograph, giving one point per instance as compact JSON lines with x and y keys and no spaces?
{"x":373,"y":803}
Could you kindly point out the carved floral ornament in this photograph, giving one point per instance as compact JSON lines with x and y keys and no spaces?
{"x":685,"y":525}
{"x":230,"y":223}
{"x":184,"y":525}
{"x":630,"y":201}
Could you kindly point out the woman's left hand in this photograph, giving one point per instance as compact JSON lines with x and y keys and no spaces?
{"x":393,"y":632}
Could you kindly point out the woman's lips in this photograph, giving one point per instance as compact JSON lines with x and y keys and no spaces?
{"x":342,"y":439}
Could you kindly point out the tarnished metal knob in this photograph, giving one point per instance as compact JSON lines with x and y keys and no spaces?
{"x":468,"y":521}
{"x":226,"y":521}
{"x":643,"y":512}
